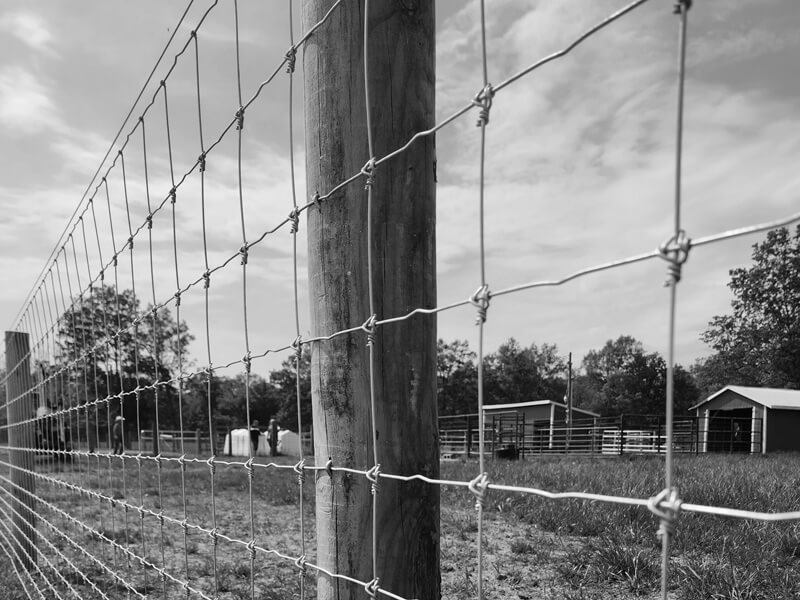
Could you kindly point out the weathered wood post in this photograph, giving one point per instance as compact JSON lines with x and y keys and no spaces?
{"x":401,"y":85}
{"x":20,"y":407}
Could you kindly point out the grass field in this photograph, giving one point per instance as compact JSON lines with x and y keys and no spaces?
{"x":534,"y":548}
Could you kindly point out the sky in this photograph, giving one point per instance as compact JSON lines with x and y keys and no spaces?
{"x":580,"y":162}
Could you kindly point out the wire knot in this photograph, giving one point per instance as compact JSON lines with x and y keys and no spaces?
{"x":478,"y":487}
{"x":249,"y":467}
{"x":149,"y":220}
{"x":682,"y":6}
{"x":243,"y":252}
{"x":480,"y":300}
{"x":300,"y":563}
{"x":675,"y":251}
{"x":372,"y":587}
{"x":294,"y":217}
{"x":372,"y":476}
{"x":297,"y":346}
{"x":251,"y":548}
{"x":160,"y":517}
{"x":369,"y":170}
{"x":299,"y":469}
{"x":212,"y":466}
{"x":369,"y":327}
{"x":329,"y":467}
{"x":483,"y":100}
{"x":315,"y":200}
{"x":202,"y":161}
{"x":291,"y":58}
{"x":206,"y":279}
{"x":184,"y":525}
{"x":182,"y":461}
{"x":665,"y":506}
{"x":173,"y":195}
{"x":213,"y":535}
{"x":130,"y":243}
{"x":177,"y":297}
{"x":247,"y":360}
{"x":240,"y":118}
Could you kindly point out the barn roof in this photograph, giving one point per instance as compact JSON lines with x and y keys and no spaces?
{"x":769,"y":397}
{"x":517,"y":405}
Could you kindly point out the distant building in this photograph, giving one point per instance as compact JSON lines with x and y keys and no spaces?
{"x":749,"y":419}
{"x":537,"y":426}
{"x":536,"y":411}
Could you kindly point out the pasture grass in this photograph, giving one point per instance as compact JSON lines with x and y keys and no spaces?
{"x":533,"y":547}
{"x":714,"y":557}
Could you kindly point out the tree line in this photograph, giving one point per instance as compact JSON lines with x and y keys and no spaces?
{"x":757,"y":344}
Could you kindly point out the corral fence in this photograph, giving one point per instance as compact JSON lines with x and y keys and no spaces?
{"x":512,"y":436}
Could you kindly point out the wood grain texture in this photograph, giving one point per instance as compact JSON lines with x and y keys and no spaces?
{"x":21,"y":407}
{"x":402,"y":78}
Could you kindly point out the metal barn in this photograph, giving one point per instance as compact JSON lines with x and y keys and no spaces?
{"x":749,"y":419}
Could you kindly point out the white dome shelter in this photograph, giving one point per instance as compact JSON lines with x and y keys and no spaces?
{"x":237,"y":442}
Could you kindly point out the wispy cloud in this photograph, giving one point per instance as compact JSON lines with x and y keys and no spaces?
{"x":29,"y":28}
{"x":26,"y":104}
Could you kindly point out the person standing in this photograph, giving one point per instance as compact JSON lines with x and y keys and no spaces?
{"x":116,"y":434}
{"x":272,"y":437}
{"x":255,"y":434}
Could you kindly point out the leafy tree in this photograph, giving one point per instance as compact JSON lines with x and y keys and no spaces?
{"x":114,"y":345}
{"x":456,"y":378}
{"x":517,"y":374}
{"x":759,"y":342}
{"x":622,"y":379}
{"x":612,"y":359}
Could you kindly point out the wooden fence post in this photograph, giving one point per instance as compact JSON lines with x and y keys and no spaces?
{"x":21,"y":407}
{"x":401,"y":86}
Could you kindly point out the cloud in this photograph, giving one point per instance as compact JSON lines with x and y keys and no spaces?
{"x":25,"y":102}
{"x":30,"y":29}
{"x":580,"y":167}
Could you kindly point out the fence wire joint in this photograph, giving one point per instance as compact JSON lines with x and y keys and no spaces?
{"x":478,"y":487}
{"x":480,"y":299}
{"x":483,"y":100}
{"x":675,"y":251}
{"x":665,"y":506}
{"x":372,"y":587}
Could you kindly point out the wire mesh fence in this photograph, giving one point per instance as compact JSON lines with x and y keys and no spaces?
{"x":85,"y":514}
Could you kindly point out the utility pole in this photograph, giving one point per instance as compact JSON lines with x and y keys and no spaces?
{"x":568,"y":399}
{"x":401,"y":86}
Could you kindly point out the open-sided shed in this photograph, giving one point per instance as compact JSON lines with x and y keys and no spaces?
{"x":537,"y":411}
{"x":538,"y":425}
{"x":749,"y":419}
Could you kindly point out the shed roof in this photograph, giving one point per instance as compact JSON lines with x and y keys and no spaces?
{"x":518,"y":405}
{"x":769,"y":397}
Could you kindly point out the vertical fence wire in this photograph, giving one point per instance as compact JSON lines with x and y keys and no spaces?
{"x":291,"y":57}
{"x":370,"y":328}
{"x":209,"y":371}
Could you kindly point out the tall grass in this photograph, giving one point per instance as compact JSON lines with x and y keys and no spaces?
{"x":715,"y":557}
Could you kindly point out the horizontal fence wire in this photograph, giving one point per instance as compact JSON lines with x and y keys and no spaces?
{"x":107,"y":522}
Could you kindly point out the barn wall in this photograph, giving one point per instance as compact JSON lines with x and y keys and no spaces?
{"x":783,"y":430}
